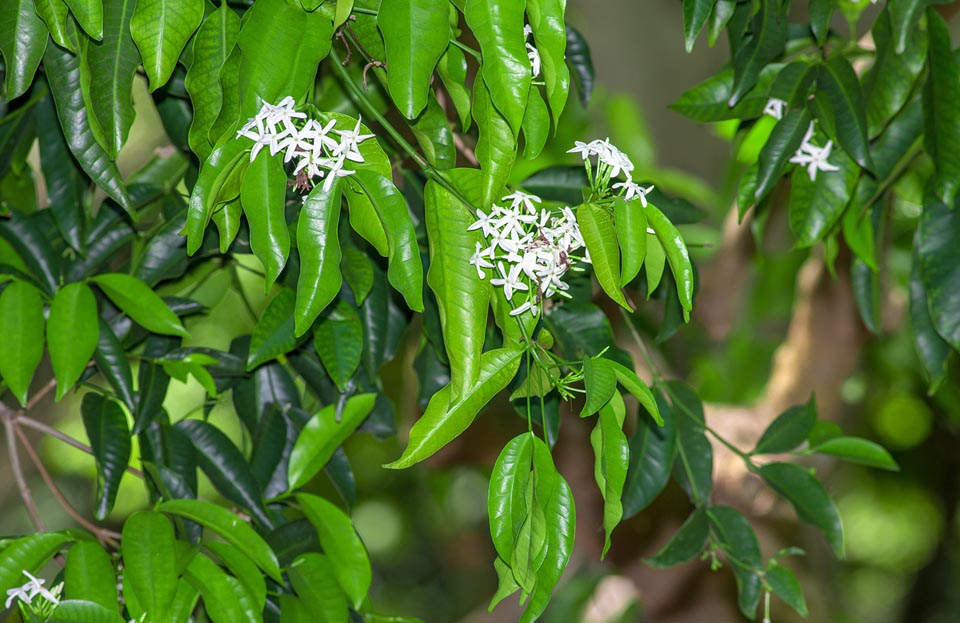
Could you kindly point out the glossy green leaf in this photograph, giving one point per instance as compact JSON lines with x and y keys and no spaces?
{"x":230,"y":527}
{"x":214,"y":175}
{"x":685,"y":544}
{"x":89,"y":575}
{"x":693,"y":466}
{"x":536,"y":125}
{"x":652,"y":452}
{"x":769,"y":35}
{"x":63,"y":74}
{"x":338,"y":340}
{"x":546,"y":19}
{"x":529,"y":539}
{"x":599,"y":233}
{"x":933,"y":350}
{"x":599,"y":382}
{"x":787,"y":587}
{"x":629,"y":380}
{"x":788,"y":430}
{"x":30,"y":553}
{"x":890,"y":82}
{"x":225,"y":599}
{"x":857,"y":450}
{"x":506,"y":504}
{"x":865,"y":283}
{"x":817,"y":205}
{"x":357,"y":270}
{"x":653,"y":265}
{"x":821,"y":12}
{"x":446,"y":418}
{"x":226,"y":468}
{"x":611,"y":460}
{"x":631,"y":225}
{"x":786,"y":137}
{"x":937,"y":251}
{"x":184,"y":602}
{"x":341,"y":544}
{"x":312,"y":576}
{"x":142,"y":304}
{"x":72,"y":333}
{"x":808,"y":498}
{"x":149,"y":561}
{"x":462,"y":297}
{"x":941,"y":119}
{"x":404,"y":269}
{"x":903,"y":17}
{"x":579,"y":60}
{"x":676,"y":252}
{"x":452,"y":69}
{"x":273,"y":334}
{"x":161,"y":29}
{"x":506,"y":584}
{"x":319,"y":248}
{"x":75,"y":611}
{"x":323,"y":434}
{"x":65,"y":182}
{"x":112,"y":63}
{"x":23,"y":38}
{"x":496,"y":148}
{"x":695,"y":15}
{"x":415,"y":35}
{"x":89,"y":14}
{"x":709,"y":100}
{"x":735,"y":535}
{"x":211,"y":46}
{"x":54,"y":14}
{"x":498,"y":27}
{"x":109,"y":435}
{"x":21,"y":324}
{"x":837,"y":81}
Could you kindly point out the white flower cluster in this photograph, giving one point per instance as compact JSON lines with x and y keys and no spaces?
{"x":812,"y":157}
{"x":530,"y":249}
{"x":282,"y":128}
{"x":31,"y":589}
{"x":611,"y":162}
{"x":532,"y":52}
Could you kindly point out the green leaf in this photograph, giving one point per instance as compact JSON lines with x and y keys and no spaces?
{"x":462,"y":297}
{"x":638,"y":389}
{"x":415,"y":35}
{"x":496,"y":148}
{"x":319,"y":248}
{"x":857,"y":450}
{"x":23,"y":38}
{"x":890,"y":82}
{"x":341,"y":544}
{"x":323,"y":434}
{"x":709,"y":100}
{"x":65,"y":183}
{"x":263,"y":196}
{"x":837,"y":81}
{"x":446,"y":418}
{"x":788,"y":430}
{"x":506,"y":507}
{"x":599,"y":233}
{"x":338,"y":340}
{"x":865,"y":283}
{"x":693,"y":466}
{"x":786,"y":586}
{"x":89,"y":575}
{"x":942,"y":119}
{"x":808,"y":498}
{"x":498,"y":27}
{"x":404,"y":269}
{"x":112,"y":64}
{"x":506,"y":585}
{"x":677,"y":256}
{"x":546,"y":18}
{"x":63,"y":74}
{"x":769,"y":35}
{"x":452,"y":68}
{"x":161,"y":29}
{"x":933,"y":350}
{"x":226,"y":468}
{"x":903,"y":17}
{"x":817,"y":205}
{"x":631,"y":225}
{"x":357,"y":271}
{"x":230,"y":527}
{"x":71,"y":611}
{"x":735,"y":535}
{"x":784,"y":140}
{"x":685,"y":544}
{"x":28,"y":553}
{"x":578,"y":58}
{"x":225,"y":599}
{"x":536,"y":125}
{"x":215,"y":173}
{"x":434,"y":135}
{"x":109,"y":435}
{"x":210,"y":48}
{"x":820,"y":13}
{"x":54,"y":14}
{"x":72,"y":333}
{"x":612,"y":458}
{"x":89,"y":14}
{"x":695,"y":15}
{"x":530,"y":536}
{"x":313,"y":578}
{"x":937,"y":251}
{"x":294,"y":41}
{"x":184,"y":602}
{"x":21,"y":324}
{"x":273,"y":334}
{"x":652,"y":452}
{"x":654,"y":264}
{"x":599,"y":382}
{"x":749,"y":588}
{"x":141,"y":303}
{"x":149,"y":561}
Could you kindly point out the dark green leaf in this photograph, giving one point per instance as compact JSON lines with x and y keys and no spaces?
{"x":109,"y":435}
{"x":735,"y":535}
{"x":903,"y":17}
{"x":312,"y":576}
{"x":890,"y":82}
{"x":415,"y":35}
{"x":72,"y":333}
{"x":54,"y":14}
{"x":817,"y":205}
{"x":789,"y":430}
{"x":23,"y":38}
{"x":319,"y":248}
{"x":866,"y":292}
{"x":695,"y":15}
{"x":578,"y":58}
{"x":89,"y":14}
{"x":786,"y":586}
{"x":273,"y":334}
{"x":452,"y":68}
{"x":837,"y":81}
{"x":933,"y":351}
{"x":942,"y":119}
{"x":856,"y":450}
{"x":112,"y":63}
{"x":206,"y":195}
{"x":693,"y":466}
{"x":225,"y":599}
{"x":769,"y":35}
{"x":685,"y":544}
{"x":938,"y":246}
{"x":709,"y":100}
{"x":583,"y":330}
{"x":161,"y":29}
{"x":808,"y":497}
{"x":338,"y":340}
{"x":65,"y":184}
{"x":34,"y":249}
{"x":652,"y":452}
{"x":784,"y":140}
{"x":820,"y":13}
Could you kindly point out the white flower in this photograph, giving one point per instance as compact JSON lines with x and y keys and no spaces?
{"x":615,"y":159}
{"x":28,"y":591}
{"x":585,"y":149}
{"x":519,"y":197}
{"x":527,"y":305}
{"x":527,"y":30}
{"x":815,"y":159}
{"x":633,"y":190}
{"x":335,"y":171}
{"x":349,"y":140}
{"x":480,"y":260}
{"x":510,"y":282}
{"x":774,"y":108}
{"x":485,"y":223}
{"x":533,"y":54}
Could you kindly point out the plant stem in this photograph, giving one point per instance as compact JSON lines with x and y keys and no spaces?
{"x":17,"y":469}
{"x":65,"y":438}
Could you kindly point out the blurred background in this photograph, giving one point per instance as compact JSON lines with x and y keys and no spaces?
{"x":772,"y":325}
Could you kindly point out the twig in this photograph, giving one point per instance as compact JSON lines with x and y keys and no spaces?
{"x":17,"y":470}
{"x":65,"y":438}
{"x":36,"y":398}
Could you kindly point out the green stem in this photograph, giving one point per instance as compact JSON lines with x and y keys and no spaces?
{"x":467,"y":49}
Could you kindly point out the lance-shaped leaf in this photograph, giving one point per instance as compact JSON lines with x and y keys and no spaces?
{"x":28,"y":553}
{"x":837,"y":81}
{"x":685,"y":544}
{"x":821,"y":11}
{"x":578,"y":57}
{"x":506,"y":507}
{"x":112,"y":64}
{"x":788,"y":430}
{"x":404,"y":269}
{"x":903,"y":17}
{"x":498,"y":27}
{"x":933,"y":350}
{"x":65,"y":183}
{"x":550,"y":38}
{"x":708,"y":101}
{"x":769,"y":35}
{"x":109,"y":435}
{"x":149,"y":561}
{"x":445,"y":418}
{"x":629,"y":380}
{"x":941,"y":119}
{"x":808,"y":498}
{"x":338,"y":340}
{"x":263,"y":197}
{"x":211,"y":46}
{"x":434,"y":135}
{"x":611,"y":459}
{"x":599,"y":383}
{"x":652,"y":452}
{"x":787,"y":587}
{"x":215,"y":179}
{"x":273,"y":334}
{"x":415,"y":34}
{"x":496,"y":148}
{"x":693,"y":467}
{"x":89,"y":575}
{"x":596,"y":225}
{"x":21,"y":324}
{"x":890,"y":82}
{"x":82,"y":611}
{"x":313,"y":578}
{"x":141,"y":303}
{"x":857,"y":450}
{"x":631,"y":226}
{"x":677,"y":256}
{"x":782,"y":144}
{"x":161,"y":29}
{"x":735,"y":535}
{"x":452,"y":69}
{"x":89,"y":14}
{"x":54,"y":14}
{"x":319,"y":246}
{"x":33,"y":247}
{"x":230,"y":527}
{"x":695,"y":15}
{"x":23,"y":38}
{"x":72,"y":333}
{"x":530,"y":535}
{"x":816,"y":205}
{"x":243,"y":569}
{"x":462,"y":297}
{"x":938,"y":249}
{"x":225,"y":599}
{"x":63,"y":75}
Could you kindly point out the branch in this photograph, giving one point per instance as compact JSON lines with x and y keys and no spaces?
{"x":65,"y":438}
{"x":7,"y":415}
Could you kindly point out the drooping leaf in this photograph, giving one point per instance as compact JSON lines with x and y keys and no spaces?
{"x":23,"y":38}
{"x":677,"y":256}
{"x":54,"y":14}
{"x":821,"y":12}
{"x":319,"y":248}
{"x":496,"y":148}
{"x":208,"y":192}
{"x":685,"y":544}
{"x":338,"y":340}
{"x":693,"y":466}
{"x":788,"y":430}
{"x":579,"y":59}
{"x":225,"y":599}
{"x":415,"y":35}
{"x":599,"y":233}
{"x":536,"y":125}
{"x":787,"y":587}
{"x":808,"y":498}
{"x":89,"y":14}
{"x":161,"y":29}
{"x":856,"y":450}
{"x":599,"y":382}
{"x":72,"y":333}
{"x":509,"y":481}
{"x":695,"y":15}
{"x":452,"y":69}
{"x":612,"y":458}
{"x":652,"y":452}
{"x":273,"y":334}
{"x":769,"y":35}
{"x":784,"y":140}
{"x":890,"y":82}
{"x":21,"y":324}
{"x":937,"y":250}
{"x":141,"y":303}
{"x":631,"y":225}
{"x":312,"y":576}
{"x":89,"y":575}
{"x":65,"y":183}
{"x":735,"y":535}
{"x":941,"y":119}
{"x":837,"y":81}
{"x":903,"y":16}
{"x":263,"y":197}
{"x":709,"y":100}
{"x":550,"y":37}
{"x":109,"y":435}
{"x":149,"y":561}
{"x":933,"y":350}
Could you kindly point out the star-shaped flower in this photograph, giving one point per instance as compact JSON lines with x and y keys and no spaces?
{"x":775,"y":108}
{"x":632,"y":190}
{"x":814,"y":159}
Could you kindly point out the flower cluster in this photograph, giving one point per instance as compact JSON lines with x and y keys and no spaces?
{"x":281,"y":128}
{"x":529,"y":249}
{"x":30,"y":590}
{"x":532,"y":52}
{"x":611,"y":162}
{"x":812,"y":157}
